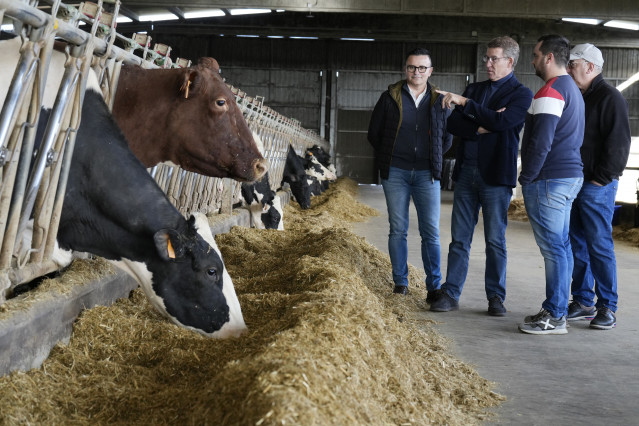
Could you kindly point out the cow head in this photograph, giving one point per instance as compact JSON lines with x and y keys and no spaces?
{"x":190,"y":285}
{"x":295,"y":175}
{"x":220,"y":142}
{"x":188,"y":116}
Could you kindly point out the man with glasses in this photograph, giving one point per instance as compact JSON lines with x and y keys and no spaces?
{"x":408,"y":131}
{"x":551,"y":176}
{"x":488,"y":118}
{"x":605,"y":150}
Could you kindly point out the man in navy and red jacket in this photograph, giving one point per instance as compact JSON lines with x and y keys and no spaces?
{"x":488,"y":118}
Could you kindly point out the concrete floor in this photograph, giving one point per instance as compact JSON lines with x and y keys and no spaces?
{"x":586,"y":377}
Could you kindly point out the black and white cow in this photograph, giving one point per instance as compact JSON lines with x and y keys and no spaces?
{"x":295,"y":175}
{"x":321,"y":155}
{"x":264,"y":204}
{"x":114,"y":209}
{"x":319,"y":174}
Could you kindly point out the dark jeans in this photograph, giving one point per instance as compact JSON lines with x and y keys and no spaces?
{"x":471,"y":194}
{"x":595,"y":270}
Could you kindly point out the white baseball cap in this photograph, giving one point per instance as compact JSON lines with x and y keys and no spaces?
{"x":587,"y":52}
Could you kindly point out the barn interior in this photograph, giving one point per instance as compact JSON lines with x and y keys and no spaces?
{"x":325,"y":63}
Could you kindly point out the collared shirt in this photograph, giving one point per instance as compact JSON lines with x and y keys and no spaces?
{"x":416,"y":98}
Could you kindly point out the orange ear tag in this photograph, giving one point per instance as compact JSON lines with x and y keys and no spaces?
{"x":188,"y":84}
{"x":169,"y":249}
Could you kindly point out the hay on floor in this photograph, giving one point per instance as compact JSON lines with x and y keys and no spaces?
{"x":327,"y":344}
{"x":624,"y":233}
{"x":517,"y":210}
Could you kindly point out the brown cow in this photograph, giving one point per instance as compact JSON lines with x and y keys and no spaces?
{"x":188,"y":116}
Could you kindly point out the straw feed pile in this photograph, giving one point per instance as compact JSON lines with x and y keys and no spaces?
{"x":327,"y":344}
{"x":623,"y":233}
{"x":80,"y":272}
{"x":517,"y":210}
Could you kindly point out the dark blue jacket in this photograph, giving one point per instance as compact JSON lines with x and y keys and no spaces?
{"x":607,"y":138}
{"x":386,"y":122}
{"x":498,"y":150}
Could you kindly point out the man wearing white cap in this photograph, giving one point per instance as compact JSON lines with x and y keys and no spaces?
{"x":604,"y":153}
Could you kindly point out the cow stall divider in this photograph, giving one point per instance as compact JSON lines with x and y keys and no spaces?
{"x":32,"y":187}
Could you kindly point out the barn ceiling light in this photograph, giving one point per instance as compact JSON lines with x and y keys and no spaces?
{"x":626,"y":25}
{"x":158,"y":17}
{"x":274,"y":36}
{"x":303,"y":38}
{"x":248,"y":11}
{"x":357,"y":39}
{"x":588,"y":21}
{"x":247,"y":35}
{"x":123,"y":19}
{"x":204,"y":13}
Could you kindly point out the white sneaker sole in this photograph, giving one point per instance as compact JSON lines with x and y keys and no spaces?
{"x":553,"y":331}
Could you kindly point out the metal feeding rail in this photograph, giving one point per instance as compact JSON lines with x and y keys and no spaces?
{"x":32,"y":189}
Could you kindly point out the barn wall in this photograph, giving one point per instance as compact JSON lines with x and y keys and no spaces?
{"x":331,"y":86}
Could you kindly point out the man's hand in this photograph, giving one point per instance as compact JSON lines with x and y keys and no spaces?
{"x":450,"y":98}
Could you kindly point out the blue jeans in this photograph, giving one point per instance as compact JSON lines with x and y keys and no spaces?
{"x":592,"y":246}
{"x":471,"y":194}
{"x":548,"y":203}
{"x":400,"y":186}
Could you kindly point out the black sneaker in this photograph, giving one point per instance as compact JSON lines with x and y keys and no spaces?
{"x":577,"y":311}
{"x":432,"y":295}
{"x":496,"y":307}
{"x":401,"y":289}
{"x":543,"y":323}
{"x":605,"y":319}
{"x":444,"y":303}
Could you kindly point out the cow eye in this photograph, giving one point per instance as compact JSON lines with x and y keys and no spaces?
{"x":220,"y":102}
{"x":212,"y":273}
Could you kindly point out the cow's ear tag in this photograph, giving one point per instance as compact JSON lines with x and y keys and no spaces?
{"x":169,"y":249}
{"x":186,"y":96}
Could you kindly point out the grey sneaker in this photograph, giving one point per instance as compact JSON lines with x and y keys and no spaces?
{"x":577,"y":311}
{"x":605,"y":319}
{"x":543,"y":323}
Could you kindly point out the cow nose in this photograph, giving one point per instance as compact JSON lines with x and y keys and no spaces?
{"x":260,"y":167}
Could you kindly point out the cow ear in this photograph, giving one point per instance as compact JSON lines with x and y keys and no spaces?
{"x":189,"y":84}
{"x":168,"y":244}
{"x":209,"y":63}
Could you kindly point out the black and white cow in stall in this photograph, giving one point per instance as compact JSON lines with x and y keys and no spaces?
{"x":264,"y":204}
{"x":114,"y":209}
{"x":317,"y":173}
{"x":295,"y":175}
{"x":321,"y":155}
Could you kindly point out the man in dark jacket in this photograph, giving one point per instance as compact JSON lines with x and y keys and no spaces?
{"x":488,"y":118}
{"x":408,"y":131}
{"x":604,"y":152}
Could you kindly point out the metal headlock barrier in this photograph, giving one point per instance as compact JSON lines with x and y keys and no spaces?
{"x":32,"y":189}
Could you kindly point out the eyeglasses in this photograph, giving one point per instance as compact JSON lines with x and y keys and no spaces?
{"x":575,"y":64}
{"x":412,"y":68}
{"x":492,"y":59}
